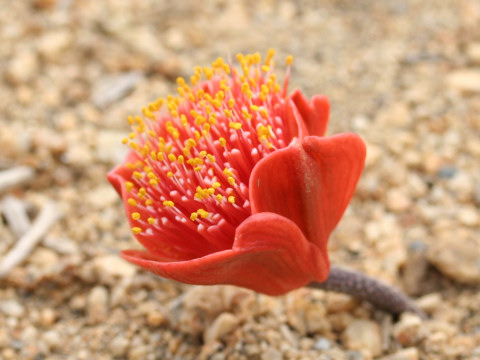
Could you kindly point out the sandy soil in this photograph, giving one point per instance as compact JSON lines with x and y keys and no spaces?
{"x":405,"y":75}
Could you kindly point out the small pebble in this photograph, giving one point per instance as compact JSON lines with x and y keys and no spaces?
{"x":119,"y":345}
{"x":223,"y":324}
{"x":53,"y":339}
{"x":364,"y":336}
{"x":430,"y":302}
{"x":406,"y":330}
{"x":404,"y":354}
{"x":12,"y":308}
{"x":464,"y":80}
{"x":97,"y":304}
{"x":473,"y":52}
{"x":459,"y":263}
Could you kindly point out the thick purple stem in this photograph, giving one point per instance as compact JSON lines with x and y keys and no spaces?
{"x":369,"y":289}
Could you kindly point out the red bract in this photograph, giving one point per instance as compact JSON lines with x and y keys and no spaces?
{"x":233,"y":181}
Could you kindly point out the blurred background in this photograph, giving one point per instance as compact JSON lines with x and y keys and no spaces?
{"x":404,"y":74}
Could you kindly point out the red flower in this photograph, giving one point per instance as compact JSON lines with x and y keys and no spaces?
{"x":233,"y":181}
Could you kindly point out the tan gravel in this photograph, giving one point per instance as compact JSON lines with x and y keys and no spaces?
{"x":403,"y":74}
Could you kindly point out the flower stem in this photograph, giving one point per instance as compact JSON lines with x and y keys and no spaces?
{"x":369,"y":289}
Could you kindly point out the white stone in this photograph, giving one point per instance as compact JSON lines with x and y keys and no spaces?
{"x":114,"y":266}
{"x":364,"y":336}
{"x":404,"y":354}
{"x":12,"y":308}
{"x":473,"y":52}
{"x":52,"y":44}
{"x":22,"y":68}
{"x":464,"y":80}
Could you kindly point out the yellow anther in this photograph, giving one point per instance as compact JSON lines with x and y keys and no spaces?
{"x":234,"y":125}
{"x":222,"y":141}
{"x":227,"y":172}
{"x":217,"y":103}
{"x":197,"y":135}
{"x":216,"y":185}
{"x":210,"y":191}
{"x":125,"y":141}
{"x":191,"y":143}
{"x":265,"y":68}
{"x":211,"y":158}
{"x":148,"y":202}
{"x":203,"y":213}
{"x":289,"y":60}
{"x":228,"y":113}
{"x":246,"y":114}
{"x":169,"y":174}
{"x":270,"y":55}
{"x":231,"y":103}
{"x":219,"y":197}
{"x":193,"y":216}
{"x":136,"y":230}
{"x":208,"y":73}
{"x":134,"y":146}
{"x":172,"y":157}
{"x":197,"y":168}
{"x":203,"y":154}
{"x":142,"y":191}
{"x":168,"y":203}
{"x":136,"y":216}
{"x":220,"y":95}
{"x":181,"y":159}
{"x":212,"y":120}
{"x":186,"y":151}
{"x":183,"y":120}
{"x":194,"y":79}
{"x":132,"y":202}
{"x":153,"y":182}
{"x":264,"y":113}
{"x":130,"y":120}
{"x":231,"y":199}
{"x":181,"y":81}
{"x":160,"y":156}
{"x":128,"y":186}
{"x":245,"y":88}
{"x":137,"y":175}
{"x":151,"y":220}
{"x":231,"y":180}
{"x":199,"y":120}
{"x":254,"y":108}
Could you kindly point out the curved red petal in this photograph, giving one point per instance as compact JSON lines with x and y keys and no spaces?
{"x":121,"y":173}
{"x":314,"y":114}
{"x":309,"y":182}
{"x":167,"y":241}
{"x":270,"y":255}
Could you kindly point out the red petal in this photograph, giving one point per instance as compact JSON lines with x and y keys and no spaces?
{"x":310,"y":182}
{"x":120,"y":174}
{"x":167,"y":242}
{"x":270,"y":255}
{"x":314,"y":115}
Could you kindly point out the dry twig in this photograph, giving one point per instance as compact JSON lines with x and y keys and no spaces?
{"x":47,"y":217}
{"x":15,"y":176}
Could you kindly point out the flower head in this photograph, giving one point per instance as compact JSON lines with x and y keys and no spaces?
{"x":233,"y":182}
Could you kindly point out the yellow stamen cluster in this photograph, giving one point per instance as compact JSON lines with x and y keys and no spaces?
{"x":200,"y":146}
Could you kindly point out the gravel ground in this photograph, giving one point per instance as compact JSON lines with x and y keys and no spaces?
{"x":405,"y":75}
